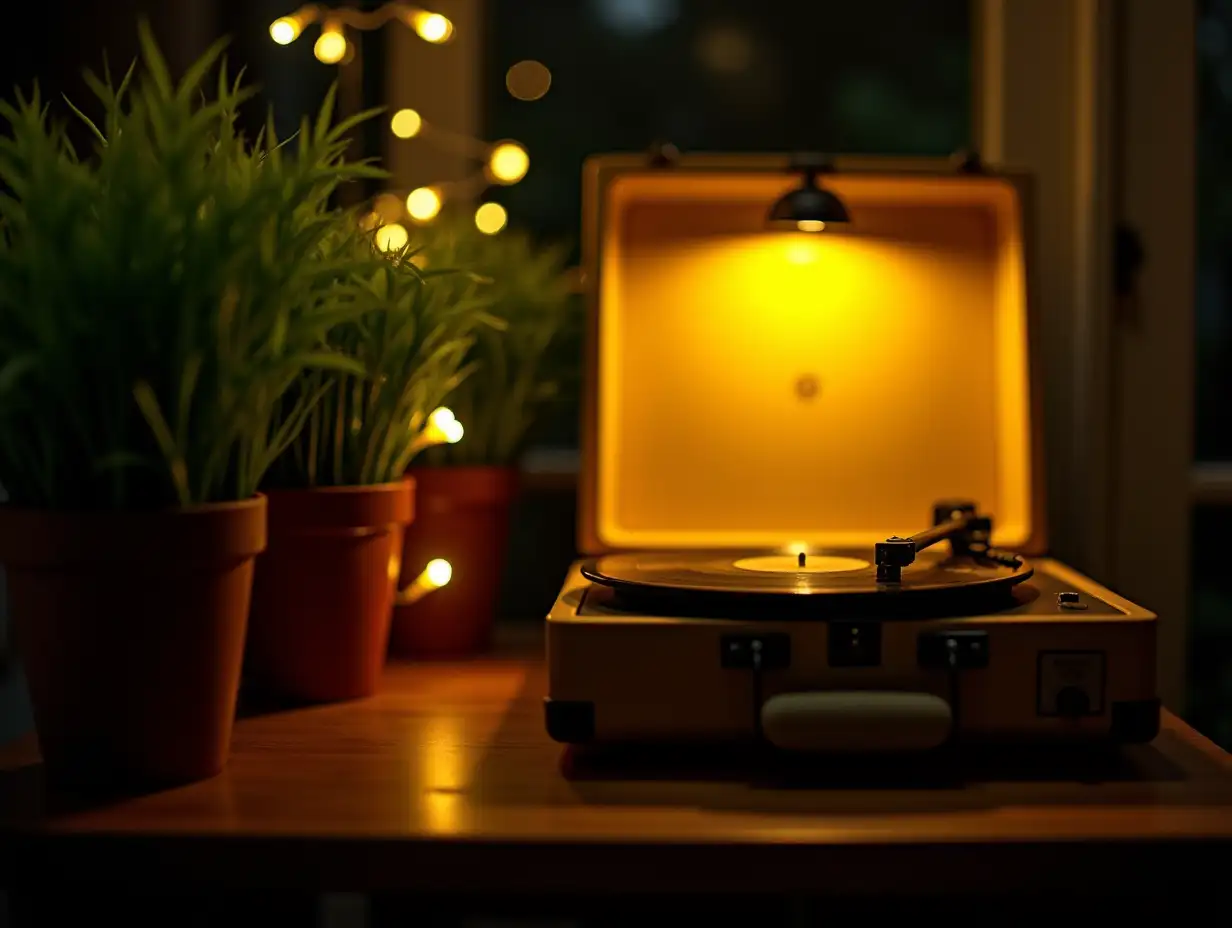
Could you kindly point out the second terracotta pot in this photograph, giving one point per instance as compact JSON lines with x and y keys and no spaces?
{"x":324,"y":588}
{"x":462,"y":517}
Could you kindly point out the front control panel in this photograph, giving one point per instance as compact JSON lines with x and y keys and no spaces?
{"x":1070,"y":683}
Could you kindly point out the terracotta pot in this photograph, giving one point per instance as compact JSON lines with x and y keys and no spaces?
{"x":324,"y":589}
{"x":131,"y":628}
{"x":463,"y":517}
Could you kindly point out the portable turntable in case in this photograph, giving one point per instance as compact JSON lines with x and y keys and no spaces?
{"x":812,"y":493}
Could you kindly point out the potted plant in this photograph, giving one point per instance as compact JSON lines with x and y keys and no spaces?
{"x":465,"y":490}
{"x":157,"y":294}
{"x":339,"y":500}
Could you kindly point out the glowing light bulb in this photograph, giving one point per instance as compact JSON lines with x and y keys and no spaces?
{"x":285,"y":30}
{"x":331,"y":45}
{"x":433,"y":27}
{"x":811,"y":225}
{"x":438,"y":572}
{"x":441,"y":428}
{"x":406,"y":124}
{"x":392,"y":237}
{"x":435,"y":575}
{"x":508,"y":162}
{"x":490,"y":218}
{"x":423,"y":203}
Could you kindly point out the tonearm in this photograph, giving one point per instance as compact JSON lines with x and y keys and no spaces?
{"x":955,"y":521}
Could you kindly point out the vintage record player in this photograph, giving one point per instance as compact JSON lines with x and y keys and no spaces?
{"x":811,"y":502}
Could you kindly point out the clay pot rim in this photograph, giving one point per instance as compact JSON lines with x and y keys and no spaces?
{"x":251,"y":502}
{"x":203,"y":532}
{"x":345,"y":509}
{"x":349,"y":489}
{"x":469,"y":485}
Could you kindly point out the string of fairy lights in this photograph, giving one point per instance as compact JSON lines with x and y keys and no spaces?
{"x":503,"y":163}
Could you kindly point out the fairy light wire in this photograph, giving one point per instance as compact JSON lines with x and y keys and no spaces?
{"x":366,"y":20}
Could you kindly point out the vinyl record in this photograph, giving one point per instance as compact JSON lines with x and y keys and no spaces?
{"x":778,"y":575}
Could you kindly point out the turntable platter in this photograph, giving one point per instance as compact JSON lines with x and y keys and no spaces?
{"x":774,"y":574}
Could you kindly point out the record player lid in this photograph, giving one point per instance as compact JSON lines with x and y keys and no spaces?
{"x":755,"y":388}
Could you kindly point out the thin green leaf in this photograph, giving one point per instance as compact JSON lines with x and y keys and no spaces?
{"x":147,"y":401}
{"x":89,"y":123}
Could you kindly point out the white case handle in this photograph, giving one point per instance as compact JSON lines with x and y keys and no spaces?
{"x":856,"y":721}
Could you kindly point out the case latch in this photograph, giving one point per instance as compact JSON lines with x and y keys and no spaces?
{"x":760,"y":652}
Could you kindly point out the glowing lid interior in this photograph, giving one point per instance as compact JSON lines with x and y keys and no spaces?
{"x":768,"y":389}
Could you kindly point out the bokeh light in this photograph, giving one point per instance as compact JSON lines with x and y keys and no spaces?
{"x":423,"y":203}
{"x":433,"y":27}
{"x":388,"y":206}
{"x":490,"y":218}
{"x":406,"y":124}
{"x":726,"y":50}
{"x":285,"y":30}
{"x":392,"y":237}
{"x":438,"y":572}
{"x":331,"y":45}
{"x":508,"y":162}
{"x":528,"y":80}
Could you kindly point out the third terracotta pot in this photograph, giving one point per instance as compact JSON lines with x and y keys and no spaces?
{"x":462,"y":516}
{"x":319,"y":628}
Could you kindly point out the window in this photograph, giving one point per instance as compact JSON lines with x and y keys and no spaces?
{"x":883,"y":76}
{"x":880,"y":77}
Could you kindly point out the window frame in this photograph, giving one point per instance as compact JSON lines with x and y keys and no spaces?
{"x":1096,"y":98}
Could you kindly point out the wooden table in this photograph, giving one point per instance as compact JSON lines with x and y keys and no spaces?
{"x":446,"y":781}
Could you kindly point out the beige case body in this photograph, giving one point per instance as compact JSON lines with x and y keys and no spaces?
{"x":748,"y":389}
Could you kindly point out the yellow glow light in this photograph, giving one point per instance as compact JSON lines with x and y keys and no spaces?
{"x":811,"y":225}
{"x":508,"y":162}
{"x":423,"y":203}
{"x":433,"y":27}
{"x":441,"y":428}
{"x":392,"y":237}
{"x":490,"y":218}
{"x":435,"y":575}
{"x":406,"y":124}
{"x":528,"y":80}
{"x":370,"y":221}
{"x":438,"y":572}
{"x":331,"y":45}
{"x":285,"y":30}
